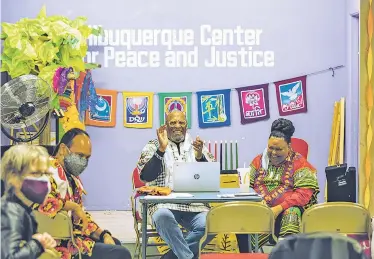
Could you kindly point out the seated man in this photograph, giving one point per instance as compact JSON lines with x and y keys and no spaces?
{"x":155,"y":167}
{"x":70,"y":159}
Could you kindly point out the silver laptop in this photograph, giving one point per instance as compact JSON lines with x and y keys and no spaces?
{"x":196,"y":177}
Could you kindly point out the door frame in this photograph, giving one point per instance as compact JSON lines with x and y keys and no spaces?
{"x":352,"y":130}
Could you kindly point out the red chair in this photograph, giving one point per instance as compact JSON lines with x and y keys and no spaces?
{"x":300,"y":146}
{"x":151,"y":232}
{"x":136,"y":182}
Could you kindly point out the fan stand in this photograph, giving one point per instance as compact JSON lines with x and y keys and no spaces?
{"x":44,"y":125}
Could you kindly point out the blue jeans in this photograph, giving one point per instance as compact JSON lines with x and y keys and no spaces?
{"x":166,"y":222}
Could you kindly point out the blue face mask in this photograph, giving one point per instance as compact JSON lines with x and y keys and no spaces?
{"x":36,"y":189}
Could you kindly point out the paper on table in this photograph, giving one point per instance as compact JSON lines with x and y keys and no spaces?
{"x":233,"y":195}
{"x":180,"y":195}
{"x":172,"y":195}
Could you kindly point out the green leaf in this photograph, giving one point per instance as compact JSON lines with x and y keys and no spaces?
{"x":91,"y":66}
{"x":18,"y":69}
{"x":85,"y":31}
{"x":5,"y":58}
{"x":55,"y":103}
{"x":77,"y":64}
{"x":35,"y":29}
{"x":47,"y":52}
{"x":47,"y":73}
{"x":64,"y":52}
{"x":43,"y":12}
{"x":32,"y":45}
{"x":8,"y":29}
{"x":78,"y":22}
{"x":97,"y":31}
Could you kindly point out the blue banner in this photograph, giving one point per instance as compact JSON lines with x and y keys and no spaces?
{"x":214,"y":108}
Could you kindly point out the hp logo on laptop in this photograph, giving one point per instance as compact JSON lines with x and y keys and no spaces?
{"x":196,"y":176}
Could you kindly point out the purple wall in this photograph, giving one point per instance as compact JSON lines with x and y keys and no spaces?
{"x":306,"y":36}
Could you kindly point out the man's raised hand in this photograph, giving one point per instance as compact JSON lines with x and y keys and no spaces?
{"x":162,"y":137}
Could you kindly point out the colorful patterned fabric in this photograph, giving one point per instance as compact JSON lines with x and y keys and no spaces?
{"x":278,"y":183}
{"x":214,"y":108}
{"x":254,"y":103}
{"x":138,"y":109}
{"x":293,"y":185}
{"x":291,"y":96}
{"x":169,"y":102}
{"x":61,"y":192}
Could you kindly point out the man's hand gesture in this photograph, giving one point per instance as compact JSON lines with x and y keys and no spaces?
{"x":162,"y":136}
{"x":198,"y":146}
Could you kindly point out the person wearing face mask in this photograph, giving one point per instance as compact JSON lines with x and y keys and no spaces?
{"x":286,"y":181}
{"x":173,"y":143}
{"x":69,"y":160}
{"x":24,"y":171}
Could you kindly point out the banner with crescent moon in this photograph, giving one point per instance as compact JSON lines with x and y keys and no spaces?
{"x":138,"y":109}
{"x":291,"y":96}
{"x":214,"y":108}
{"x":175,"y":101}
{"x":104,"y":112}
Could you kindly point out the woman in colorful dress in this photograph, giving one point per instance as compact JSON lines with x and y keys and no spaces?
{"x":69,"y":161}
{"x":286,"y":181}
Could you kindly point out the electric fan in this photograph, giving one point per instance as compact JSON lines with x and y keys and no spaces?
{"x":25,"y":102}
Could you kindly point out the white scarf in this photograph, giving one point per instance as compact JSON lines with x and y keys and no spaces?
{"x":187,"y":154}
{"x":265,"y":159}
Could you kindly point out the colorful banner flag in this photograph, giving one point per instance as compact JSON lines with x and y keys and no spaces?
{"x":214,"y":108}
{"x":254,"y":103}
{"x":104,"y":114}
{"x":291,"y":96}
{"x":175,"y":101}
{"x":138,"y":109}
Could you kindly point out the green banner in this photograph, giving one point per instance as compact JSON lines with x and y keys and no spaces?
{"x":175,"y":101}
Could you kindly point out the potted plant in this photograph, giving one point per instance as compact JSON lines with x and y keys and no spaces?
{"x":44,"y":44}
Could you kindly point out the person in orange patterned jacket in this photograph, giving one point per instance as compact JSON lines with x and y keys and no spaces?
{"x":68,"y":162}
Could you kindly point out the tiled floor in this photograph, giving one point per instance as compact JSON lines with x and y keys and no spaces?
{"x":119,"y":223}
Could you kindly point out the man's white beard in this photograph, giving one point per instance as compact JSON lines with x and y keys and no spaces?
{"x":177,"y":139}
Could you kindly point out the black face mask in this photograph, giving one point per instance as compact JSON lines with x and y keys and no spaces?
{"x":75,"y":164}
